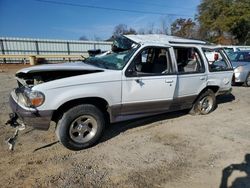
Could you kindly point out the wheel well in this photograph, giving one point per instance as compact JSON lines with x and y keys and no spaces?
{"x":213,"y":88}
{"x":98,"y":102}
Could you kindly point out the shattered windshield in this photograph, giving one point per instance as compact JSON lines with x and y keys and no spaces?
{"x":121,"y":43}
{"x":114,"y":61}
{"x":122,"y":50}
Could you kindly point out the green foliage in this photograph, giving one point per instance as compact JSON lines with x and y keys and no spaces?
{"x":183,"y":28}
{"x":217,"y":17}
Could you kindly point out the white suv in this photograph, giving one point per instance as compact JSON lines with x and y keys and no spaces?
{"x":143,"y":75}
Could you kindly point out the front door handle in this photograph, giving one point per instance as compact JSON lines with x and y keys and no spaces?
{"x":169,"y":81}
{"x":138,"y":81}
{"x":202,"y":78}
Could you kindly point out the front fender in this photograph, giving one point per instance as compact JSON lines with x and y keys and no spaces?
{"x":110,"y":91}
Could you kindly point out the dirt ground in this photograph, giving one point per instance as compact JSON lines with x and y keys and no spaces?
{"x":171,"y":150}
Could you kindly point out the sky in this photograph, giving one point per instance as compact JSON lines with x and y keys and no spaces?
{"x":71,"y":19}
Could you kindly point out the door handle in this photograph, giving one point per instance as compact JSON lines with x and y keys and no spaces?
{"x":138,"y":81}
{"x":202,"y":78}
{"x":169,"y":81}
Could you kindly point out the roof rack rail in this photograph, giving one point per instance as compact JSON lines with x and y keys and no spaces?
{"x":178,"y":42}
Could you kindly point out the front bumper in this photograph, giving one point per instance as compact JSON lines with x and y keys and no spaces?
{"x":35,"y":118}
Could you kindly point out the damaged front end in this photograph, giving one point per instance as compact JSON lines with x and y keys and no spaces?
{"x":19,"y":126}
{"x":33,"y":78}
{"x":25,"y":100}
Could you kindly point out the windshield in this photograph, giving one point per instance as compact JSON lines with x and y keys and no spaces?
{"x":122,"y":43}
{"x":241,"y":56}
{"x":114,"y":61}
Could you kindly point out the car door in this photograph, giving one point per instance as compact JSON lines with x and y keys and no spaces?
{"x":192,"y":77}
{"x":148,"y":84}
{"x":220,"y":68}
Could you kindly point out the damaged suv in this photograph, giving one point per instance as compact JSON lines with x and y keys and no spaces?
{"x":143,"y":75}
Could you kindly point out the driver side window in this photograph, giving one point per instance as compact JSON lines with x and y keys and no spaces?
{"x":153,"y":61}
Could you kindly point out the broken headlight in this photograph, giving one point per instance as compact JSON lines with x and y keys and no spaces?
{"x":31,"y":98}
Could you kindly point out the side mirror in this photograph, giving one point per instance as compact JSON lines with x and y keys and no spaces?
{"x":131,"y":72}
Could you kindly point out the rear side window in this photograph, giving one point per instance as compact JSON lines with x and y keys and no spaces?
{"x":188,"y":60}
{"x":216,"y":60}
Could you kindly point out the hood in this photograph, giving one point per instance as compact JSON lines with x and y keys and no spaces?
{"x":59,"y":67}
{"x":44,"y":73}
{"x":239,"y":63}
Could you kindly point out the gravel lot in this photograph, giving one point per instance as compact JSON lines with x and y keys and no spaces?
{"x":170,"y":150}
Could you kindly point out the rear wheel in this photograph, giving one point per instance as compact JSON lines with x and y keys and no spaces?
{"x":80,"y":127}
{"x":205,"y":103}
{"x":247,"y":82}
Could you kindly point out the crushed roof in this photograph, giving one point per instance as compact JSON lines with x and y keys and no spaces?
{"x":163,"y":39}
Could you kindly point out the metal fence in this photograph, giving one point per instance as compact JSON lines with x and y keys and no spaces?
{"x":21,"y":46}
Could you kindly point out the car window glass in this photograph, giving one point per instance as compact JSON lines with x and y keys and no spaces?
{"x":153,"y":61}
{"x":216,"y":60}
{"x":188,"y":60}
{"x":242,"y":56}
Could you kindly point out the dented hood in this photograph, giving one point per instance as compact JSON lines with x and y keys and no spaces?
{"x":76,"y":66}
{"x":45,"y":73}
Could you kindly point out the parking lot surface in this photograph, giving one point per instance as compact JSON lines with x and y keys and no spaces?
{"x":169,"y":150}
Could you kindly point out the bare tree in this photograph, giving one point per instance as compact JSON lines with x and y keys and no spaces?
{"x":123,"y":29}
{"x":120,"y":29}
{"x":141,"y":31}
{"x":83,"y":38}
{"x":163,"y":26}
{"x":150,"y":29}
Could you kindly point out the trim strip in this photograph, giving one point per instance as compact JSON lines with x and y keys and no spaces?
{"x":142,"y":109}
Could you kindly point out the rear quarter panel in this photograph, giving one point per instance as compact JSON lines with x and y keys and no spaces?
{"x":222,"y":79}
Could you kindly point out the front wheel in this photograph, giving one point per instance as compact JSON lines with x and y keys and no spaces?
{"x":80,"y":127}
{"x":205,"y":103}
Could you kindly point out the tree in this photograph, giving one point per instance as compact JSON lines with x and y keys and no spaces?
{"x":163,"y":27}
{"x":83,"y":38}
{"x":218,"y":18}
{"x":141,"y":31}
{"x":239,"y":19}
{"x":211,"y":17}
{"x":150,"y":28}
{"x":122,"y":29}
{"x":184,"y":28}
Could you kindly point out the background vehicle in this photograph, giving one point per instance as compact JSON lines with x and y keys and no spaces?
{"x":231,"y":49}
{"x":241,"y":64}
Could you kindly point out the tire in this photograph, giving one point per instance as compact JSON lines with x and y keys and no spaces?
{"x":204,"y":104}
{"x":247,"y":82}
{"x":80,"y":127}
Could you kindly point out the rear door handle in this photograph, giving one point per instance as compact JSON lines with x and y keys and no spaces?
{"x":202,"y":78}
{"x":169,"y":81}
